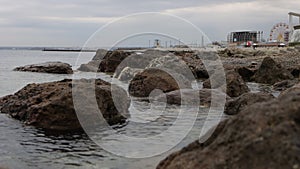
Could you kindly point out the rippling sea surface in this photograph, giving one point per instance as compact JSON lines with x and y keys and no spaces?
{"x":23,"y":147}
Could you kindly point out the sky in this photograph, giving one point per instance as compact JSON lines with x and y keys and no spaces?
{"x":73,"y":22}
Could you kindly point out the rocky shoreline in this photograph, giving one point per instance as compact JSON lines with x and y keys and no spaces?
{"x":261,"y":132}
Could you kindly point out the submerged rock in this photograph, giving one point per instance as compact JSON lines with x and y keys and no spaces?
{"x":150,"y":79}
{"x":190,"y":96}
{"x":271,"y":72}
{"x":264,"y":135}
{"x":48,"y":67}
{"x":281,"y":86}
{"x":50,"y":105}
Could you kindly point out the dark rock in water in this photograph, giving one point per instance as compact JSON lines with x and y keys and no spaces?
{"x":140,"y":60}
{"x":93,"y":65}
{"x":271,"y":72}
{"x":281,"y":86}
{"x":100,"y":54}
{"x":150,"y":79}
{"x":263,"y":136}
{"x":128,"y":73}
{"x":190,"y":96}
{"x":50,"y":105}
{"x":293,"y":89}
{"x":112,"y":60}
{"x":295,"y":71}
{"x":177,"y":61}
{"x":194,"y":60}
{"x":246,"y":73}
{"x":48,"y":67}
{"x":238,"y":104}
{"x":235,"y":85}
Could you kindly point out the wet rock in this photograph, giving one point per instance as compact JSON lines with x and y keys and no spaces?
{"x":295,"y":71}
{"x":173,"y":63}
{"x":246,"y":73}
{"x":48,"y":67}
{"x":150,"y":79}
{"x":50,"y":105}
{"x":194,"y":60}
{"x":283,"y":85}
{"x":93,"y":65}
{"x":190,"y":96}
{"x":264,"y":135}
{"x":139,"y":60}
{"x":236,"y":105}
{"x":235,"y":85}
{"x":112,"y":60}
{"x":271,"y":72}
{"x":128,"y":74}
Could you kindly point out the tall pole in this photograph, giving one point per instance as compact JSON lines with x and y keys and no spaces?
{"x":291,"y":25}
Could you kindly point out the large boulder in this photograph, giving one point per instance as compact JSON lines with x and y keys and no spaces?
{"x":112,"y":60}
{"x":139,"y":61}
{"x":150,"y":79}
{"x":263,"y":136}
{"x":194,"y":60}
{"x":93,"y":65}
{"x":50,"y":105}
{"x":47,"y":67}
{"x":236,"y":105}
{"x":246,"y":72}
{"x":235,"y":85}
{"x":174,"y":63}
{"x":128,"y":73}
{"x":271,"y":72}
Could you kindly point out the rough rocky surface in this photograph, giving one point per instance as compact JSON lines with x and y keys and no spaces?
{"x":112,"y":60}
{"x":194,"y":60}
{"x":239,"y":53}
{"x":271,"y":72}
{"x":262,"y":136}
{"x":128,"y":73}
{"x":235,"y":85}
{"x":139,"y":60}
{"x":150,"y":79}
{"x":173,"y":63}
{"x":190,"y":96}
{"x":48,"y":67}
{"x":246,"y":72}
{"x":176,"y":60}
{"x":93,"y":65}
{"x":50,"y":105}
{"x":283,"y":85}
{"x":236,"y":105}
{"x":105,"y":61}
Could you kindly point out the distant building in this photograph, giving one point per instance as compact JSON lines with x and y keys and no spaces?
{"x":242,"y":37}
{"x":294,"y":27}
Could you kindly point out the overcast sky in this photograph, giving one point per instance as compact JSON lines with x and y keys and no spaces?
{"x":72,"y":22}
